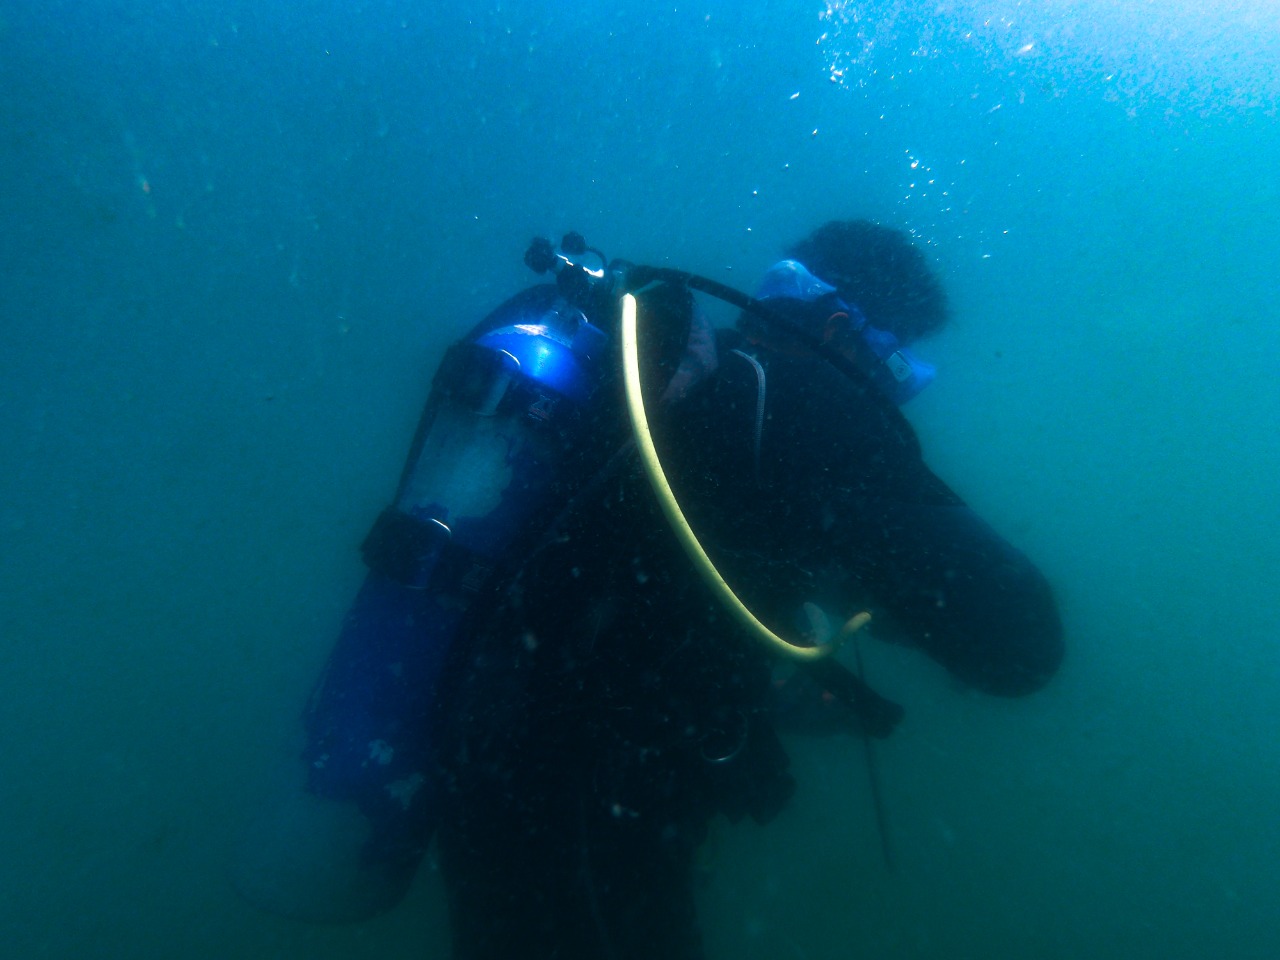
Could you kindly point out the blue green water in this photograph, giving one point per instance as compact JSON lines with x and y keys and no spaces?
{"x":234,"y":238}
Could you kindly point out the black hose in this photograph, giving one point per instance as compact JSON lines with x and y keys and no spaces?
{"x":638,"y":277}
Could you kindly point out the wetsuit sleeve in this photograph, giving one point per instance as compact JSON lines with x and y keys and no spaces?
{"x":947,"y":580}
{"x":956,"y":589}
{"x":844,"y":487}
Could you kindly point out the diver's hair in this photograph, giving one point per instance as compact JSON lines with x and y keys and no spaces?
{"x":880,"y":270}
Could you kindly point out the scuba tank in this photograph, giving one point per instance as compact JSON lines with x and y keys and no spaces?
{"x":484,"y":470}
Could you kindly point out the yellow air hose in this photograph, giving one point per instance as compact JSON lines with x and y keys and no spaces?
{"x":675,"y":516}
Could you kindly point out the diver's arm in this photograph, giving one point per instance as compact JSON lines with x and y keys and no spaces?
{"x":956,"y":589}
{"x":868,"y":504}
{"x":840,"y":485}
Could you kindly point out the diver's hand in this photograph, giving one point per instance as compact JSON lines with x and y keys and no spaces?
{"x":823,"y":698}
{"x":876,"y":714}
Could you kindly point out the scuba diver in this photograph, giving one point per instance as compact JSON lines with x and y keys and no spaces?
{"x":611,"y":522}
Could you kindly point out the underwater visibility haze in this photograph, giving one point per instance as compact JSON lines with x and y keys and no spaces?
{"x":235,"y":239}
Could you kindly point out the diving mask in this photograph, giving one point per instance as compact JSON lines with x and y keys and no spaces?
{"x":900,"y":374}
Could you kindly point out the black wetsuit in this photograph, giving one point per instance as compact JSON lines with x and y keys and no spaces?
{"x":606,"y":709}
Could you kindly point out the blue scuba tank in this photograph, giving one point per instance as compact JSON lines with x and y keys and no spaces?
{"x":482,"y":472}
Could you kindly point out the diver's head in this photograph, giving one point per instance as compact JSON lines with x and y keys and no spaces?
{"x":862,"y":290}
{"x":881,"y":271}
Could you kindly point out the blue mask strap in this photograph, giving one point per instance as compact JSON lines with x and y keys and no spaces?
{"x":900,"y":373}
